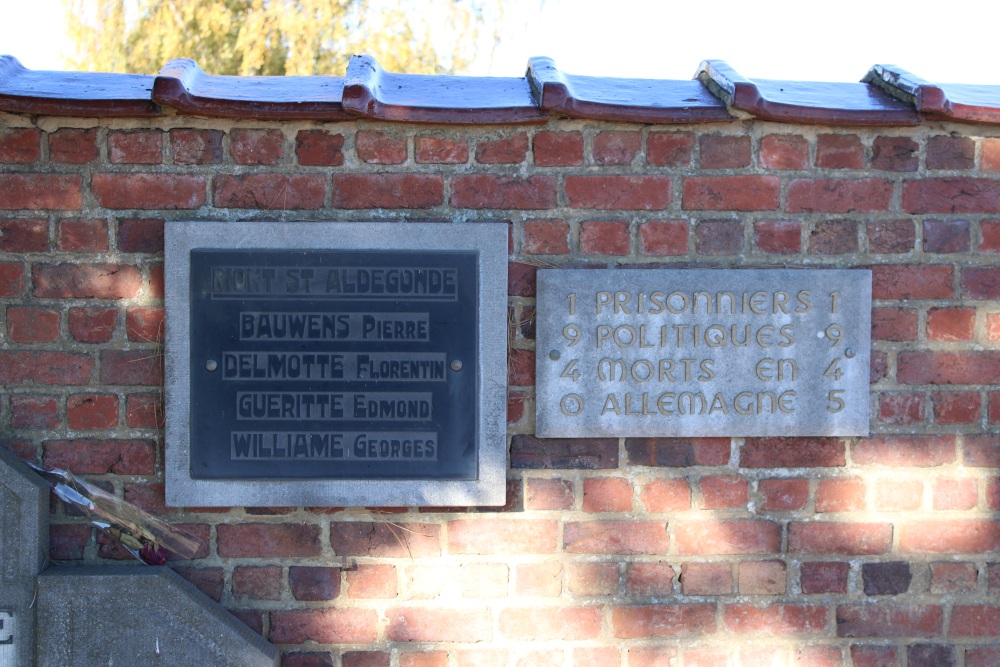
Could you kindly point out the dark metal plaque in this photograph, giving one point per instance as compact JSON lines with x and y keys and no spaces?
{"x":333,"y":364}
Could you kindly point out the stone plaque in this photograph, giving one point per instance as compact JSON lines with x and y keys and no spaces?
{"x":357,"y":363}
{"x":703,"y":352}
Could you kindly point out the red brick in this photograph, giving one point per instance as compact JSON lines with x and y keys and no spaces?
{"x":993,"y":410}
{"x":604,"y":237}
{"x":67,"y":542}
{"x":263,"y":540}
{"x":558,"y":149}
{"x":550,"y":624}
{"x":86,"y":281}
{"x":706,"y":579}
{"x":61,"y":368}
{"x":539,"y":579}
{"x":783,"y":495}
{"x":101,"y":457}
{"x":149,"y":191}
{"x":678,"y":452}
{"x":948,"y":152}
{"x":888,"y":620}
{"x":480,"y":191}
{"x":667,"y":620}
{"x":891,"y":236}
{"x":904,"y":450}
{"x":426,"y":659}
{"x":313,"y":584}
{"x":784,"y":151}
{"x":20,"y":145}
{"x":898,"y":495}
{"x":879,"y":366}
{"x":82,"y":234}
{"x":956,"y":407}
{"x":381,"y":539}
{"x":705,"y":657}
{"x":827,"y":537}
{"x":951,"y":536}
{"x":607,"y":494}
{"x":602,"y":656}
{"x":894,"y":324}
{"x":135,"y":147}
{"x":792,"y":453}
{"x":34,"y":411}
{"x":593,"y":579}
{"x":724,"y":152}
{"x":270,"y":191}
{"x":520,"y":368}
{"x":990,"y":231}
{"x":132,"y":367}
{"x":441,"y":150}
{"x":639,"y":193}
{"x":778,"y":620}
{"x":92,"y":325}
{"x":144,"y":324}
{"x":724,"y":491}
{"x":873,"y":656}
{"x":365,"y":659}
{"x":955,"y":493}
{"x":779,"y":237}
{"x":507,"y":150}
{"x":649,"y":579}
{"x":981,"y":282}
{"x":515,"y":406}
{"x":669,"y":149}
{"x":73,"y":146}
{"x":839,"y":151}
{"x":731,"y":193}
{"x":481,"y":657}
{"x":982,"y":656}
{"x":951,"y":195}
{"x":319,"y":148}
{"x":974,"y":621}
{"x":843,"y":494}
{"x":24,"y":235}
{"x":367,"y":581}
{"x":718,"y":237}
{"x":615,"y":537}
{"x":502,"y":536}
{"x":324,"y":626}
{"x":834,"y":237}
{"x":546,"y":237}
{"x":824,"y":577}
{"x":762,"y":578}
{"x":411,"y":624}
{"x":839,"y":195}
{"x":982,"y":451}
{"x":41,"y":191}
{"x":140,"y":235}
{"x":909,"y":281}
{"x":209,"y":580}
{"x":257,"y":583}
{"x":664,"y":237}
{"x":895,"y":154}
{"x":28,"y":324}
{"x":256,"y":146}
{"x":521,"y":279}
{"x":666,"y":495}
{"x":989,"y":154}
{"x":727,"y":536}
{"x":92,"y":411}
{"x":925,"y":367}
{"x":946,"y":236}
{"x":900,"y":408}
{"x":196,"y":146}
{"x":613,"y":147}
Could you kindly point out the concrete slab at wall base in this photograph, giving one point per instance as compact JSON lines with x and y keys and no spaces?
{"x":136,"y":615}
{"x":24,"y":546}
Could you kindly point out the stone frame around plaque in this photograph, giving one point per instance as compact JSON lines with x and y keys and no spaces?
{"x":486,"y":241}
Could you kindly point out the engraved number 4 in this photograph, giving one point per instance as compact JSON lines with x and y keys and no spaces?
{"x":570,"y":371}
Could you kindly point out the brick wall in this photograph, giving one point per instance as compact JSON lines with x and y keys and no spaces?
{"x":878,"y":551}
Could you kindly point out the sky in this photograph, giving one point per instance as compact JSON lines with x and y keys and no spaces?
{"x":667,"y":39}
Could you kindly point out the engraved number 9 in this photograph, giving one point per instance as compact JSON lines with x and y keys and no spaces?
{"x":571,"y":332}
{"x":834,"y":333}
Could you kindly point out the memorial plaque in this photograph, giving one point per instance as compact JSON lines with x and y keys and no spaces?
{"x":735,"y":352}
{"x":324,"y":359}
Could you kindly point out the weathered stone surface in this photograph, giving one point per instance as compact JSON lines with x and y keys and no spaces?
{"x":24,"y":545}
{"x":138,"y":616}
